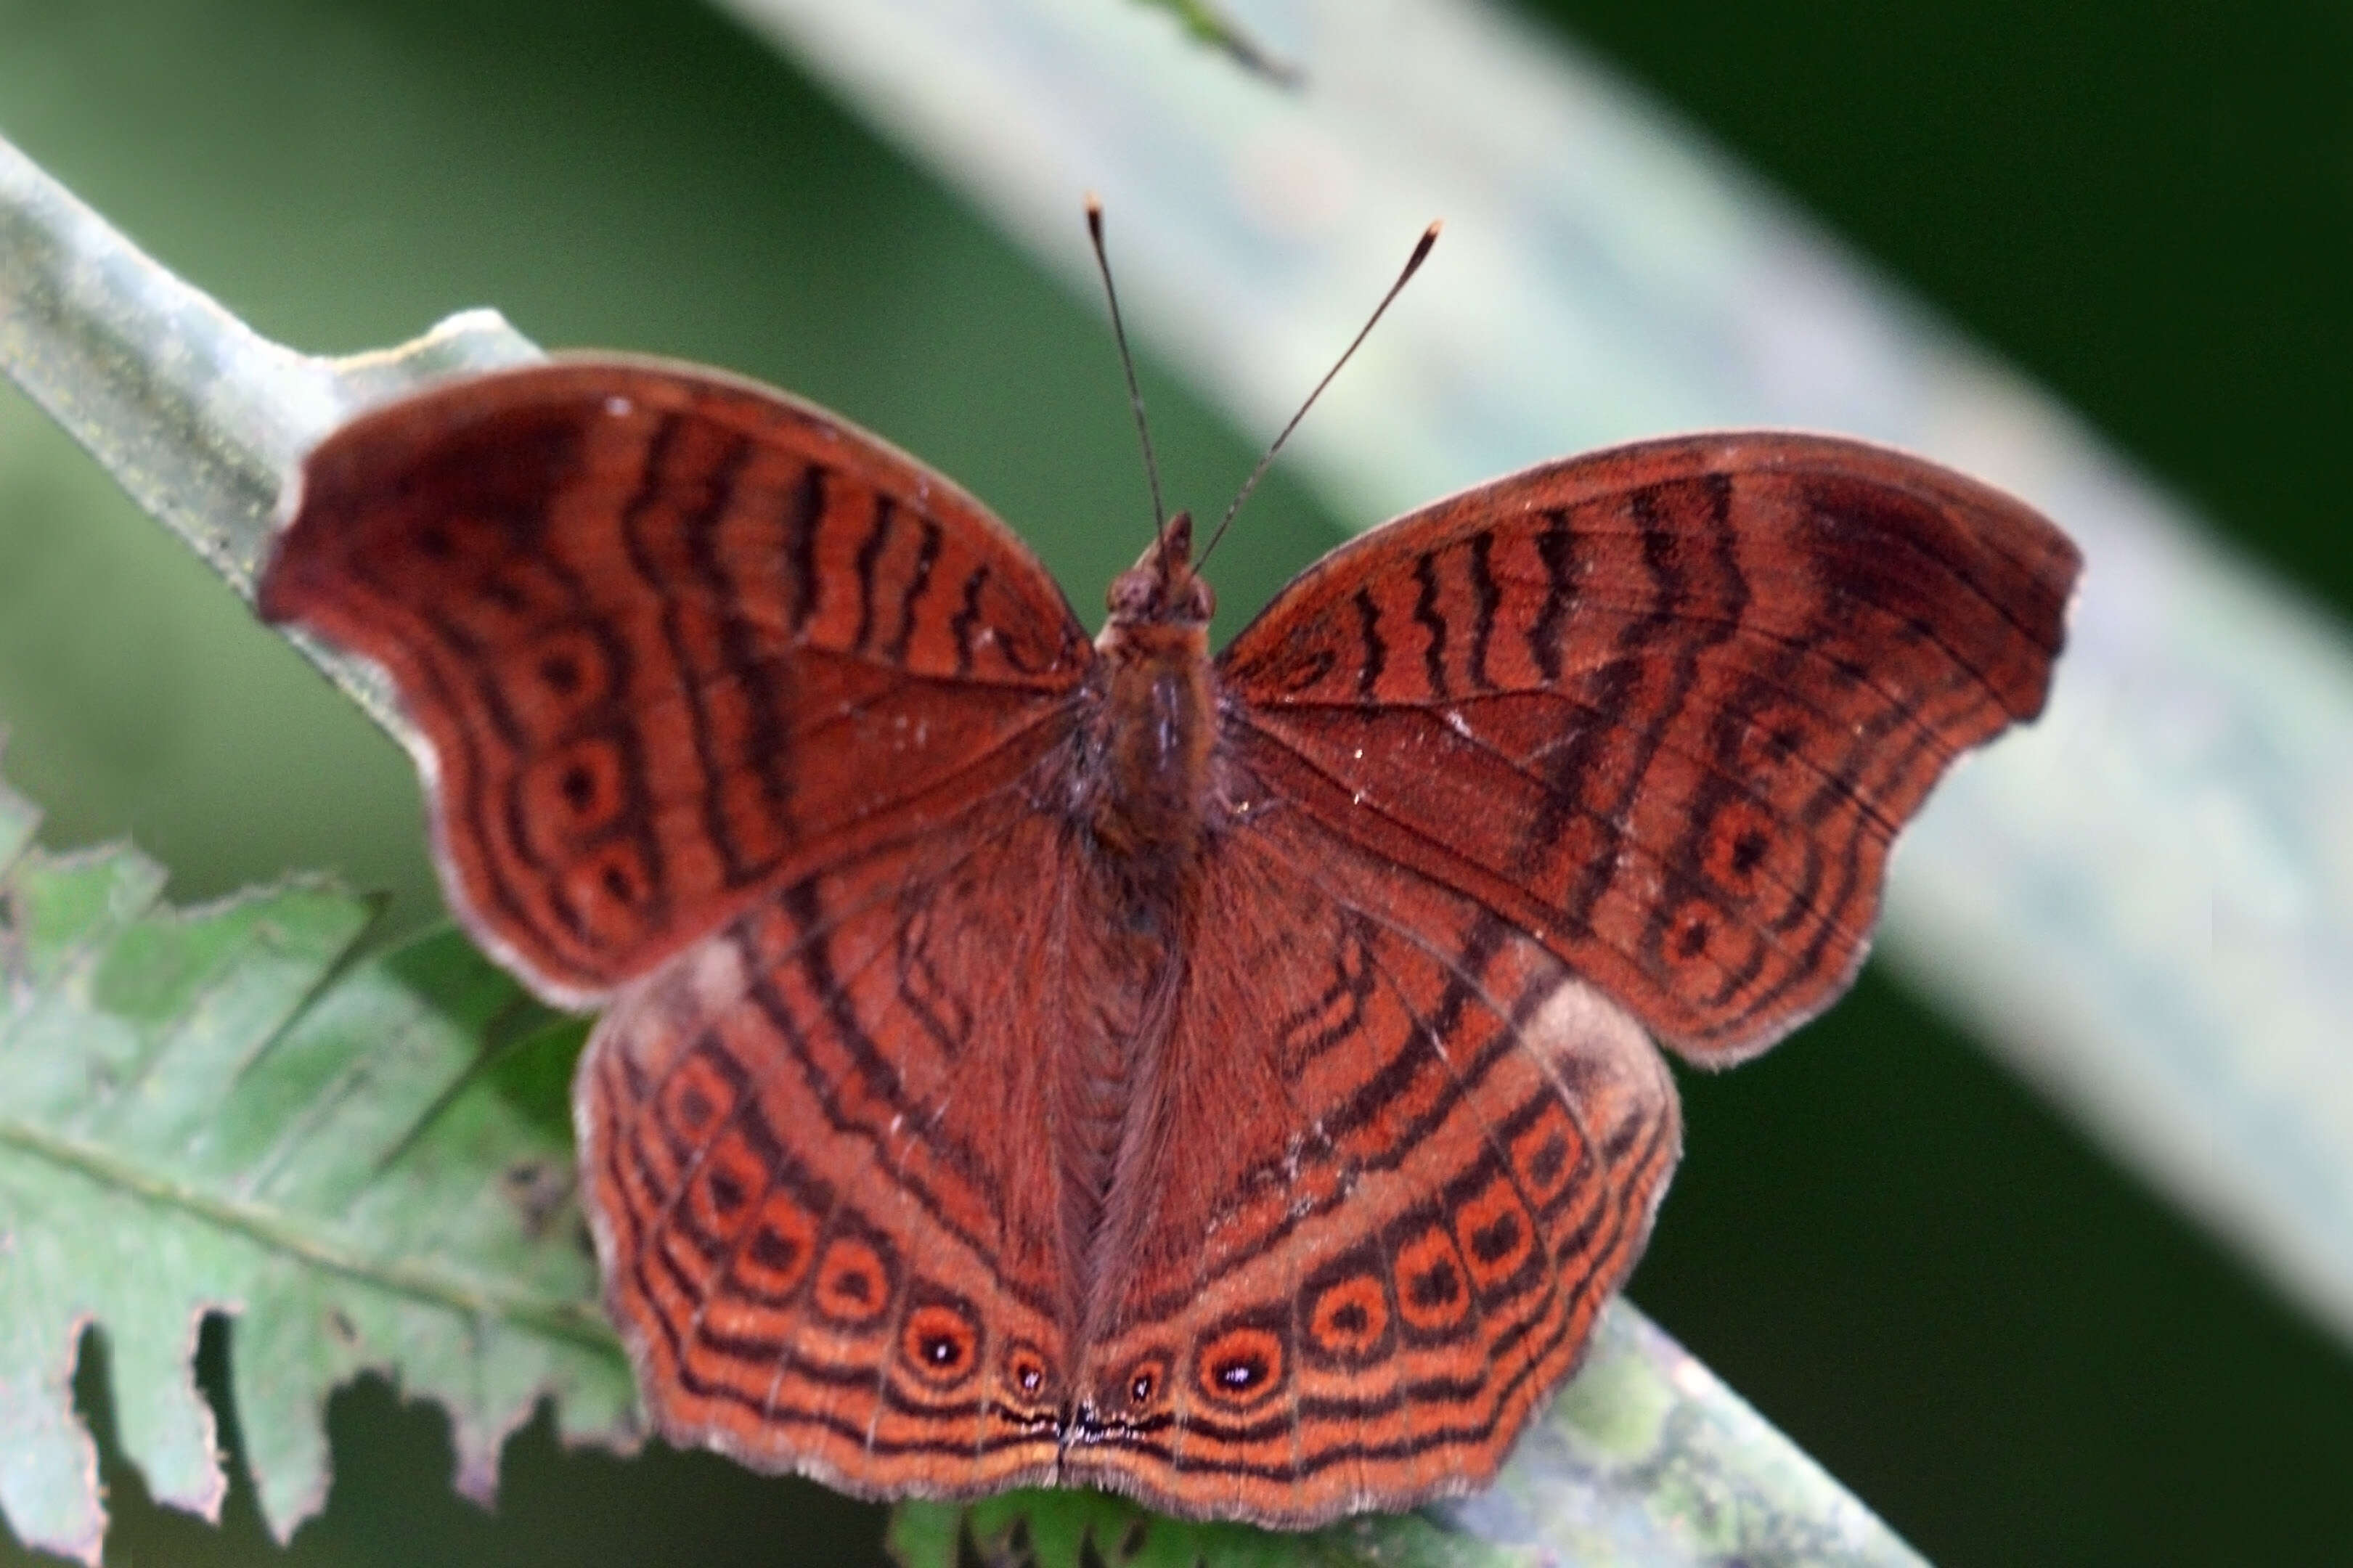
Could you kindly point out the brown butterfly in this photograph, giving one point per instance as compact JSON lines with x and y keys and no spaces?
{"x":1034,"y":1060}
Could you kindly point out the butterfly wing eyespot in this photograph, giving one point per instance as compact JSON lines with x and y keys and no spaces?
{"x":1242,"y":1364}
{"x":1347,"y":1317}
{"x":857,"y":1278}
{"x":1027,"y":1373}
{"x":943,"y":1339}
{"x":1433,"y":1286}
{"x":1143,"y":1384}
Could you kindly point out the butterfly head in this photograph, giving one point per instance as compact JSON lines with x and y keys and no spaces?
{"x":1162,"y":589}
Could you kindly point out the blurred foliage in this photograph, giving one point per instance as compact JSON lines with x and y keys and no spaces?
{"x":1212,"y":24}
{"x":2147,"y":208}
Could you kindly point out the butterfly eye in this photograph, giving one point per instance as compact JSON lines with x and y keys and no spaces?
{"x":1131,"y":594}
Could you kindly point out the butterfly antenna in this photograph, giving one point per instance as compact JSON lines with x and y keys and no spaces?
{"x":1412,"y":265}
{"x":1127,"y":367}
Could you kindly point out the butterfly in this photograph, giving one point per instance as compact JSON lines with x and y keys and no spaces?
{"x":1035,"y":1059}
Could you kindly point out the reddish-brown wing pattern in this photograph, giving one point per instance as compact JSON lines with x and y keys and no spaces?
{"x":1409,"y":1157}
{"x":728,"y":708}
{"x":665,"y":635}
{"x":821,"y":1240}
{"x":1664,"y":708}
{"x":1036,"y":1062}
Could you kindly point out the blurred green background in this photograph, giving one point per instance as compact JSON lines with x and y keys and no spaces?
{"x":2149,"y":208}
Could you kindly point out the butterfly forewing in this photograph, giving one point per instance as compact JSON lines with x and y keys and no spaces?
{"x":666,"y":636}
{"x":1663,"y":708}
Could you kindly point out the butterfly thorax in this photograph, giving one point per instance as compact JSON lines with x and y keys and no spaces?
{"x":1148,"y":757}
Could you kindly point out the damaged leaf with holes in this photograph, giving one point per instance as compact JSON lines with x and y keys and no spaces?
{"x":364,"y":1164}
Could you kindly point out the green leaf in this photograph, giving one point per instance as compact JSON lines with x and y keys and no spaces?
{"x":366,"y":1164}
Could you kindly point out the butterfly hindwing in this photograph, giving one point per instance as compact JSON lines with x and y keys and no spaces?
{"x":824,"y":1248}
{"x":1407,"y":1157}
